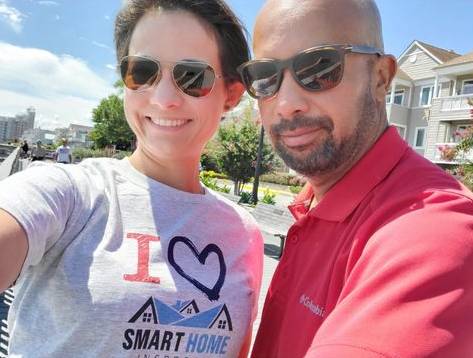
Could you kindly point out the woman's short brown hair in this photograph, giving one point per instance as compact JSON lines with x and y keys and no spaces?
{"x":230,"y":32}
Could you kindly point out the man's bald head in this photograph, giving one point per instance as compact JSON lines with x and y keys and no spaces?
{"x":348,"y":21}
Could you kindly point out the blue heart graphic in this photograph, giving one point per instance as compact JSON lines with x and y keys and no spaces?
{"x":212,"y":293}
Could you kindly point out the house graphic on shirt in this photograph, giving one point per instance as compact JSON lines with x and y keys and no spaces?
{"x":186,"y":308}
{"x":183,"y":314}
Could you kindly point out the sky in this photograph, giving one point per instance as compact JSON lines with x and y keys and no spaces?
{"x":58,"y":56}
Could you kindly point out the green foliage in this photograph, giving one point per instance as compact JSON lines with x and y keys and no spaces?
{"x":110,"y":125}
{"x":295,"y":189}
{"x":464,"y":172}
{"x":210,"y":182}
{"x":208,"y":159}
{"x":80,"y":154}
{"x":237,"y":151}
{"x":268,"y":197}
{"x":284,"y":179}
{"x":212,"y":174}
{"x":245,"y":198}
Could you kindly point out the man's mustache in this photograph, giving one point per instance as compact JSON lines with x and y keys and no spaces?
{"x":321,"y":122}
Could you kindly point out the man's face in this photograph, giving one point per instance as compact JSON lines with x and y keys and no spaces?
{"x":316,"y":133}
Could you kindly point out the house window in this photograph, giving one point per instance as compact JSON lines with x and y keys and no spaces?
{"x":419,"y":138}
{"x":189,"y":310}
{"x":460,"y":132}
{"x":426,"y":96}
{"x":222,"y":324}
{"x":398,"y":97}
{"x":147,"y":317}
{"x":467,"y":87}
{"x":401,"y":130}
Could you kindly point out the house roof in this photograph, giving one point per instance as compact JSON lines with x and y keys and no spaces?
{"x":402,"y":75}
{"x":440,"y":53}
{"x":458,"y":60}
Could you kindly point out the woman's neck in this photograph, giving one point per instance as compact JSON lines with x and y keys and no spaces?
{"x":182,"y":174}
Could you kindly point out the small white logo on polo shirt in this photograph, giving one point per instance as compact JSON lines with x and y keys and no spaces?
{"x":314,"y":308}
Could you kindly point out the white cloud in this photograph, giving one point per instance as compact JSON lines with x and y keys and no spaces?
{"x":11,"y":16}
{"x":63,"y":89}
{"x":101,"y":45}
{"x":48,"y":3}
{"x":107,"y":17}
{"x":111,"y":67}
{"x":58,"y":17}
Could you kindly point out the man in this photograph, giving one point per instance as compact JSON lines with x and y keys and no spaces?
{"x":63,"y":153}
{"x":380,"y":260}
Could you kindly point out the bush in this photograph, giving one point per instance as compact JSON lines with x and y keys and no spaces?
{"x":245,"y":198}
{"x":295,"y":189}
{"x":80,"y":154}
{"x":212,"y":174}
{"x":120,"y":154}
{"x":283,"y":179}
{"x":268,"y":197}
{"x":211,"y":183}
{"x":208,"y":160}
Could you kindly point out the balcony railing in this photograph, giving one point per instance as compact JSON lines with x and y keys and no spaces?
{"x":445,"y":153}
{"x":455,"y":103}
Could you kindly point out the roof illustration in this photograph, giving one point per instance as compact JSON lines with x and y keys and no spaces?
{"x":202,"y":320}
{"x":166,"y":314}
{"x":162,"y":313}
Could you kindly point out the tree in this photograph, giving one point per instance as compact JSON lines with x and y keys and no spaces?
{"x":110,"y":125}
{"x":465,"y":170}
{"x":237,"y":151}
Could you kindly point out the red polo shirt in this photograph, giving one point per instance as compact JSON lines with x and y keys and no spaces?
{"x":381,"y":267}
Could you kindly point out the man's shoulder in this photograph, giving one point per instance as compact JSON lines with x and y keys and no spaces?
{"x":416,"y":176}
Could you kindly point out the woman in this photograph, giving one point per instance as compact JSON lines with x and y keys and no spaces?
{"x":136,"y":258}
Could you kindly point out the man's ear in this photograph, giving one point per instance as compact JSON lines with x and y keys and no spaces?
{"x":385,"y":70}
{"x":235,"y":90}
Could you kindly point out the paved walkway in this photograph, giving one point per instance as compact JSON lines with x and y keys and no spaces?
{"x":271,"y":252}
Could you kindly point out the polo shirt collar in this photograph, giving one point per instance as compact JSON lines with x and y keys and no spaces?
{"x":343,"y":198}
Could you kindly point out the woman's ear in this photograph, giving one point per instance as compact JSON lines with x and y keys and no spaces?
{"x":235,"y":90}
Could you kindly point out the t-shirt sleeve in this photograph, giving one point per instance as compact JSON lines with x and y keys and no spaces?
{"x":409,"y":292}
{"x":257,"y":267}
{"x":41,"y":199}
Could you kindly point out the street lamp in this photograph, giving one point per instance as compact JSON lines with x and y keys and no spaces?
{"x":259,"y":159}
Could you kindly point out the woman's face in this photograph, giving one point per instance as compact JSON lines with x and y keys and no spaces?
{"x":168,"y":123}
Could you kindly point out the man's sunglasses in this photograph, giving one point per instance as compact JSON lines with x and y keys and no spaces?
{"x":315,"y":69}
{"x":194,"y":78}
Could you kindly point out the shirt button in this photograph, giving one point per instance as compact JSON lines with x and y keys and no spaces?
{"x":294,"y":239}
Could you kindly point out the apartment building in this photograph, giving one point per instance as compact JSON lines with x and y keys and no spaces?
{"x":431,"y":99}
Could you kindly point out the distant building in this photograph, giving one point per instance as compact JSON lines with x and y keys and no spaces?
{"x":37,"y":134}
{"x":12,"y":128}
{"x":76,"y":134}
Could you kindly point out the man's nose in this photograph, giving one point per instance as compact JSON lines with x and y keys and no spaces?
{"x":291,"y":99}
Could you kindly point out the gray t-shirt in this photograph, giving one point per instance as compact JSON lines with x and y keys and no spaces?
{"x":120,"y":265}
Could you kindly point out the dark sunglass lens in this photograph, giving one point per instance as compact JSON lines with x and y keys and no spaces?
{"x":138,"y":73}
{"x":261,"y":79}
{"x":319,"y":69}
{"x":194,"y":79}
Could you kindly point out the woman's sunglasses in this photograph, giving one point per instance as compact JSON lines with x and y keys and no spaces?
{"x":315,"y":69}
{"x":194,"y":78}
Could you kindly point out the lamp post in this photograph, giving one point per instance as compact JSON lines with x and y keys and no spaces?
{"x":259,"y":159}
